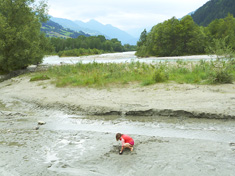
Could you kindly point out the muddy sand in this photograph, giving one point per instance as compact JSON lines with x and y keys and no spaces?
{"x":179,"y":129}
{"x":200,"y":101}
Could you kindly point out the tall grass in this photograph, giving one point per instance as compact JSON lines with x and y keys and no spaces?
{"x":103,"y":74}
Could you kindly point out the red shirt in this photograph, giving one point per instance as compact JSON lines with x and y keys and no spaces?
{"x":125,"y":139}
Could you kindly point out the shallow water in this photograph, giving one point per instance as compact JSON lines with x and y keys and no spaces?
{"x":71,"y":144}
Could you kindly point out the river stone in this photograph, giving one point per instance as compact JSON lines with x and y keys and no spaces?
{"x":41,"y":122}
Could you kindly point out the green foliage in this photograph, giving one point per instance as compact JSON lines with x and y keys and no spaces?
{"x":172,"y":38}
{"x":184,"y":37}
{"x":159,"y":76}
{"x":21,"y":42}
{"x":105,"y":74}
{"x":212,"y":10}
{"x":221,"y":49}
{"x":79,"y":52}
{"x":220,"y":73}
{"x":221,"y":37}
{"x":99,"y":44}
{"x":39,"y":78}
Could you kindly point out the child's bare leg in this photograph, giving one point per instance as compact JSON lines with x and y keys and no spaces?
{"x":127,"y":145}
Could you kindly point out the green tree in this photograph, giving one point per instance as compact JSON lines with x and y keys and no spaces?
{"x":192,"y":37}
{"x":173,"y":38}
{"x":222,"y":29}
{"x":21,"y":41}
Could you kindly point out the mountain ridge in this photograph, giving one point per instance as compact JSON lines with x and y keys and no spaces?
{"x":53,"y":29}
{"x":213,"y":9}
{"x":94,"y":27}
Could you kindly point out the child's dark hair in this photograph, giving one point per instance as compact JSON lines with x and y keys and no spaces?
{"x":118,"y":135}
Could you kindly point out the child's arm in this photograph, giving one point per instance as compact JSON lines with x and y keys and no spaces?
{"x":121,"y":150}
{"x":123,"y":142}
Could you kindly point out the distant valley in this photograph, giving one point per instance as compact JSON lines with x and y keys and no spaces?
{"x":93,"y":27}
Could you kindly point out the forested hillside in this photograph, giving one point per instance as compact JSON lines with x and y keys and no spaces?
{"x":53,"y":29}
{"x":214,"y":9}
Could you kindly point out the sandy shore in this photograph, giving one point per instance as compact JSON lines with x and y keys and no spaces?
{"x":201,"y":101}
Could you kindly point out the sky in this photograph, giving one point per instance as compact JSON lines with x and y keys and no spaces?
{"x":127,"y":15}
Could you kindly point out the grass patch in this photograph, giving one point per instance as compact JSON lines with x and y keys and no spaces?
{"x":103,"y":74}
{"x":39,"y":78}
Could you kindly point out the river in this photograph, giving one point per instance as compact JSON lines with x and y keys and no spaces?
{"x":119,"y":58}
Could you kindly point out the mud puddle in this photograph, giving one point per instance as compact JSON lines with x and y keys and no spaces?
{"x":74,"y":145}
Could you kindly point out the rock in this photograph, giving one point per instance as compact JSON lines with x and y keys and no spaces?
{"x":41,"y":122}
{"x":37,"y":128}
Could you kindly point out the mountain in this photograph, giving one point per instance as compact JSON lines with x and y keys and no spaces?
{"x":72,"y":25}
{"x":213,"y":9}
{"x":53,"y":29}
{"x":94,"y":27}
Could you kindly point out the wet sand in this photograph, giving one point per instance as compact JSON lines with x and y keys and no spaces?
{"x":74,"y":145}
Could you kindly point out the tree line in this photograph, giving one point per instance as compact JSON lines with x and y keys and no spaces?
{"x":184,"y":37}
{"x":98,"y":44}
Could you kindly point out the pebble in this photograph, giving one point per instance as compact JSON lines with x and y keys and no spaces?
{"x":41,"y":123}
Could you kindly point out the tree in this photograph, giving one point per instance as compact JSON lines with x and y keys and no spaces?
{"x":21,"y":42}
{"x":192,"y":37}
{"x":172,"y":38}
{"x":222,"y":29}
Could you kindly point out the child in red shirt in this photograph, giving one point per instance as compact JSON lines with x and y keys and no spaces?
{"x":127,"y":141}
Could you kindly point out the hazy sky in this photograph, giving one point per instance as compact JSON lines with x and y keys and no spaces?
{"x":124,"y":14}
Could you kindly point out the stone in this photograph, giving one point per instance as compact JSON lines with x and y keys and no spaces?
{"x":41,"y":122}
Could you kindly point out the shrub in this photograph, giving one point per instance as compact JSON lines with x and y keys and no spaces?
{"x":221,"y":76}
{"x":160,"y":76}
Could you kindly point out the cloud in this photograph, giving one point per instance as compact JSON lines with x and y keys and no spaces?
{"x":124,"y":14}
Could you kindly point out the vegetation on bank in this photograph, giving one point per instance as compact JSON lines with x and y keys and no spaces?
{"x":184,"y":37}
{"x":21,"y":42}
{"x":88,"y":45}
{"x":104,"y":74}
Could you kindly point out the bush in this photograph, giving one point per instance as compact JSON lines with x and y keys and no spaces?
{"x":221,"y":76}
{"x":160,"y":76}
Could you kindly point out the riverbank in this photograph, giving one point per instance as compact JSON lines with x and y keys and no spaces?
{"x":71,"y":142}
{"x":167,"y":99}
